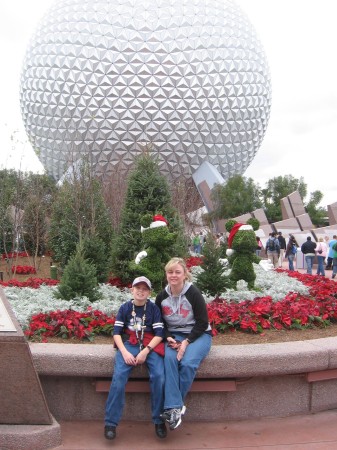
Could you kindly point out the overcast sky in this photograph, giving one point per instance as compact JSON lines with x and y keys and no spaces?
{"x":299,"y":37}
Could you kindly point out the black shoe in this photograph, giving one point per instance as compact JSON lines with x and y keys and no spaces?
{"x":109,"y":432}
{"x":161,"y":431}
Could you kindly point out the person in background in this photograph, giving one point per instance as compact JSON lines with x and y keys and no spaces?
{"x":308,"y":250}
{"x":188,"y":335}
{"x":290,"y":253}
{"x":328,"y":260}
{"x":334,"y":255}
{"x":321,"y":251}
{"x":258,"y":246}
{"x":273,"y":249}
{"x":283,"y":246}
{"x":138,"y":335}
{"x":196,"y":244}
{"x":202,"y":241}
{"x":329,"y":264}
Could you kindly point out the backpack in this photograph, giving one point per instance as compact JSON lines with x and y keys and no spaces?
{"x":272,"y":245}
{"x":294,"y":249}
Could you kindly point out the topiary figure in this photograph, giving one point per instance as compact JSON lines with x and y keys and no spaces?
{"x":158,"y":244}
{"x":241,"y":252}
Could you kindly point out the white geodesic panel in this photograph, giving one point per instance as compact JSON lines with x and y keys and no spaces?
{"x":105,"y":77}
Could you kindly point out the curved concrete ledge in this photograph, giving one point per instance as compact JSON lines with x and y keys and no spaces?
{"x":223,"y":361}
{"x":23,"y":437}
{"x":271,"y":380}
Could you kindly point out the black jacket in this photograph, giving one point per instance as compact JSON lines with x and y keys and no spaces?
{"x":308,"y":247}
{"x":282,"y":242}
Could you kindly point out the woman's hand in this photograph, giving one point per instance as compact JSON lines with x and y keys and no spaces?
{"x":172,"y":343}
{"x":182,"y":349}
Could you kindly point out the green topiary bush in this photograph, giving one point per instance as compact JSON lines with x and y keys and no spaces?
{"x":158,"y":244}
{"x":242,"y":244}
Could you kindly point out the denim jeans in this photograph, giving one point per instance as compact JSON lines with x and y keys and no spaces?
{"x":291,"y":258}
{"x":179,"y":375}
{"x":310,"y":261}
{"x":116,"y":398}
{"x":334,"y":269}
{"x":320,"y":266}
{"x":197,"y":249}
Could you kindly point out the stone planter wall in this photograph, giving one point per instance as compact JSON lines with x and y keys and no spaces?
{"x":271,"y":380}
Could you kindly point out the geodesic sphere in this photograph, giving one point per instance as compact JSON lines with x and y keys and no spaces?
{"x":104,"y":78}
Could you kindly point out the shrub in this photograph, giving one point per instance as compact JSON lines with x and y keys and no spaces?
{"x":78,"y":279}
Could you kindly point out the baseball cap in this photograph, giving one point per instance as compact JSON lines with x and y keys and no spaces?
{"x":142,"y":280}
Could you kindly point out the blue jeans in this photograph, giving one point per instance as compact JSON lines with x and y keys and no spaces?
{"x":291,"y":258}
{"x":116,"y":398}
{"x":320,"y":266}
{"x":179,"y":375}
{"x":334,"y":269}
{"x":310,"y":261}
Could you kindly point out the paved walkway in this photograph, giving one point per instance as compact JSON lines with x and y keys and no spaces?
{"x":309,"y":432}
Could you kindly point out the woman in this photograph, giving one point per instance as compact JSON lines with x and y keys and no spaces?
{"x":188,"y":336}
{"x":291,"y":251}
{"x":321,"y":252}
{"x":258,"y":246}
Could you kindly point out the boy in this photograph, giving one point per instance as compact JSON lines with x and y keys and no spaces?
{"x":139,"y":321}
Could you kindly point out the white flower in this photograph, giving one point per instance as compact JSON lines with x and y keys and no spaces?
{"x":27,"y":302}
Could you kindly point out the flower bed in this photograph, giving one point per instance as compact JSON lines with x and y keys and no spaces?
{"x":282,"y":300}
{"x":23,"y":270}
{"x":14,"y":255}
{"x":294,"y":311}
{"x":33,"y":283}
{"x":68,"y":324}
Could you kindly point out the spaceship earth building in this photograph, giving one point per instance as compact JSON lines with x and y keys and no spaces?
{"x":104,"y":77}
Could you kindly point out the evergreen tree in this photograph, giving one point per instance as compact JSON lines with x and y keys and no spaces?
{"x":212,"y":281}
{"x":95,"y":251}
{"x":238,"y":196}
{"x":78,"y":279}
{"x":79,"y":212}
{"x":147,"y":193}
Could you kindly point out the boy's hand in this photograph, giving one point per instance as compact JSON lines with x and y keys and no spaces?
{"x":129,"y":358}
{"x":141,"y":357}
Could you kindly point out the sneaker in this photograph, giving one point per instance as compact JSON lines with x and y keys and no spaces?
{"x":109,"y":432}
{"x":333,"y":276}
{"x":166,"y":415}
{"x":160,"y":429}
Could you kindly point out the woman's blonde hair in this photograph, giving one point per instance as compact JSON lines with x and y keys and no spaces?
{"x":173,"y":262}
{"x":320,"y":239}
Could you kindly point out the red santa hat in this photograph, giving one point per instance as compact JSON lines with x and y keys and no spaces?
{"x":158,"y":221}
{"x":235,"y":229}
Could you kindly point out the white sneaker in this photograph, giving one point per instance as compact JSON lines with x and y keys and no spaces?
{"x":175,"y":419}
